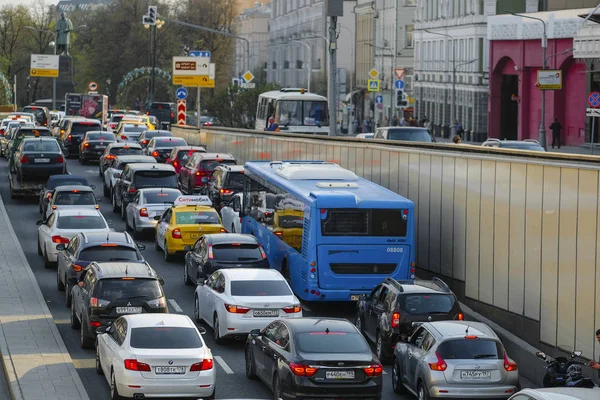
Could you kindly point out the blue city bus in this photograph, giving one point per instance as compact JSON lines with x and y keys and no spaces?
{"x":332,"y":234}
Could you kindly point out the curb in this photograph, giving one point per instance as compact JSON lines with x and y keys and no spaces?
{"x":13,"y":381}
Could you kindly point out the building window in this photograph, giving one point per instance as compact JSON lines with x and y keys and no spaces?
{"x":409,"y":35}
{"x":411,"y":2}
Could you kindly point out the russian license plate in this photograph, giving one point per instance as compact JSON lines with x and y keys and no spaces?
{"x":266,"y":313}
{"x":195,"y":235}
{"x":100,"y":147}
{"x":355,"y":297}
{"x":170,"y":370}
{"x":41,"y":160}
{"x":338,"y":375}
{"x":129,"y":310}
{"x":475,"y":375}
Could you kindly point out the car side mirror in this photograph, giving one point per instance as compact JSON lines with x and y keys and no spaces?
{"x":141,"y":246}
{"x":157,"y":217}
{"x":541,"y":354}
{"x":204,"y":180}
{"x":72,"y":281}
{"x":201,"y":282}
{"x":201,"y":329}
{"x":255,"y":332}
{"x":39,"y":222}
{"x":188,"y":248}
{"x":161,"y":280}
{"x":102,"y":329}
{"x":60,"y":247}
{"x":93,"y":187}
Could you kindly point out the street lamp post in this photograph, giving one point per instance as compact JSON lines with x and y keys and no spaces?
{"x":309,"y":60}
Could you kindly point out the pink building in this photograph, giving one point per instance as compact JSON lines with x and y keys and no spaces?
{"x":516,"y":54}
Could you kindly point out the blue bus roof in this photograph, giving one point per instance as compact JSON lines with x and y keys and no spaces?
{"x":337,"y":187}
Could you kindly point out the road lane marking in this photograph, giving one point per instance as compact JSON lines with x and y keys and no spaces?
{"x":62,"y":321}
{"x":91,"y":171}
{"x":84,"y":363}
{"x":224,"y":365}
{"x":175,"y":306}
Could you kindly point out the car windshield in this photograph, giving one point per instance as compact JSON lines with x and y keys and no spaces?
{"x":260,"y":288}
{"x":302,"y":112}
{"x":409,"y":135}
{"x":210,"y":165}
{"x":530,"y":146}
{"x":237,"y":252}
{"x":75,"y":198}
{"x":470,"y":349}
{"x":424,"y":304}
{"x":39,"y":113}
{"x":104,"y":136}
{"x":151,"y":134}
{"x":126,"y":151}
{"x":169,"y":143}
{"x":156,"y":179}
{"x":81,"y":222}
{"x":161,"y":196}
{"x":79,"y":128}
{"x":67,"y":182}
{"x":165,"y":337}
{"x":108,"y":253}
{"x":196,"y":218}
{"x":122,"y":289}
{"x":184,"y":155}
{"x":41,"y":146}
{"x":331,"y":342}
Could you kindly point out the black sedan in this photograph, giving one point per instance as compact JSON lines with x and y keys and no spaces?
{"x":93,"y":145}
{"x":313,"y":358}
{"x":146,"y":136}
{"x":39,"y":158}
{"x":160,"y":147}
{"x":59,"y":180}
{"x":220,"y":251}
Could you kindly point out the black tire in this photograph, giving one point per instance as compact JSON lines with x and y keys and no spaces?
{"x":82,"y":161}
{"x":156,"y":246}
{"x":59,"y":284}
{"x":232,"y":228}
{"x":47,"y":263}
{"x":135,"y":232}
{"x":105,"y":190}
{"x":168,"y":257}
{"x":115,"y":207}
{"x":186,"y":277}
{"x":99,"y":370}
{"x":68,"y":295}
{"x":85,"y":341}
{"x":358,"y":322}
{"x":548,"y":381}
{"x":75,"y":323}
{"x":250,"y":373}
{"x":379,"y":351}
{"x":422,"y":393}
{"x":100,"y":169}
{"x":276,"y":388}
{"x":197,"y":310}
{"x":285,"y":271}
{"x":397,"y":385}
{"x":216,"y":333}
{"x":114,"y":392}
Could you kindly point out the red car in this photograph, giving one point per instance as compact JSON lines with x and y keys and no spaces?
{"x":199,"y":166}
{"x":181,"y":154}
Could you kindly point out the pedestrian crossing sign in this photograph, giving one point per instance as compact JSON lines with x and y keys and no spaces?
{"x":374,"y":85}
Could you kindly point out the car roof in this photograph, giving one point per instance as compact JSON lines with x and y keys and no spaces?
{"x":457,"y":329}
{"x":224,"y":238}
{"x":118,"y":269}
{"x":169,"y":138}
{"x":136,"y":159}
{"x":250,"y":274}
{"x":86,"y":120}
{"x":157,"y":130}
{"x":436,"y":285}
{"x":111,"y":237}
{"x":232,"y":168}
{"x":161,"y":319}
{"x":309,"y":324}
{"x":180,"y":148}
{"x":128,"y":144}
{"x":79,"y":188}
{"x":214,"y":156}
{"x":148,"y":166}
{"x":72,"y":211}
{"x":563,"y":393}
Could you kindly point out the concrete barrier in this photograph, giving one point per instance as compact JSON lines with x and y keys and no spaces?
{"x":515,"y":233}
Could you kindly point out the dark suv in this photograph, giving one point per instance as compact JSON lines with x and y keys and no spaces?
{"x":110,"y":290}
{"x":76,"y":130}
{"x":386,"y":315}
{"x":87,"y":247}
{"x":164,"y":112}
{"x":224,"y":182}
{"x":42,"y":114}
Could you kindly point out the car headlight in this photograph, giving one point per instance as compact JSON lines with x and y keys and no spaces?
{"x":158,"y":303}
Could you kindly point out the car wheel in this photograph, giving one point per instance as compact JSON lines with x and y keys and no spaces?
{"x":277,"y":395}
{"x":75,"y":323}
{"x":114,"y":202}
{"x":217,"y":331}
{"x":250,"y":374}
{"x":114,"y":392}
{"x":85,"y":341}
{"x":156,"y":245}
{"x":136,"y":233}
{"x":197,"y":309}
{"x":47,"y":262}
{"x":100,"y":169}
{"x":397,"y":385}
{"x":358,"y":323}
{"x":186,"y":277}
{"x":379,"y":352}
{"x":59,"y":285}
{"x":168,"y":257}
{"x":39,"y":247}
{"x":68,"y":295}
{"x":422,"y":392}
{"x":99,"y":370}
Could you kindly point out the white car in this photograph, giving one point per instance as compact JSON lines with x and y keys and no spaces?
{"x":557,"y":393}
{"x":235,"y":301}
{"x":146,"y":204}
{"x":116,"y":166}
{"x":155,"y":355}
{"x":230,"y":214}
{"x":62,"y":225}
{"x":72,"y":197}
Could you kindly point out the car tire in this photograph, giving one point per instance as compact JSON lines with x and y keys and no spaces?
{"x":114,"y":202}
{"x":81,"y":160}
{"x":168,"y":257}
{"x":250,"y":372}
{"x":128,"y":227}
{"x":197,"y":310}
{"x":277,"y":395}
{"x":136,"y":233}
{"x":47,"y":263}
{"x":216,"y":331}
{"x":422,"y":393}
{"x":85,"y":341}
{"x":379,"y":352}
{"x":99,"y":370}
{"x":186,"y":277}
{"x":397,"y":385}
{"x":156,"y":245}
{"x":75,"y":323}
{"x":100,"y":169}
{"x":358,"y":322}
{"x":114,"y":392}
{"x":59,"y":285}
{"x":68,"y":294}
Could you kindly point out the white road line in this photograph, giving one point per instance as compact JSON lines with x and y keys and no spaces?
{"x":224,"y":365}
{"x":91,"y":171}
{"x":175,"y":306}
{"x":62,"y":321}
{"x":385,"y":373}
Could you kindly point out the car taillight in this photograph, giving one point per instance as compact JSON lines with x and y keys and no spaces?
{"x":302,"y":370}
{"x":175,"y":164}
{"x":145,"y":141}
{"x":207,"y":124}
{"x":69,"y":137}
{"x":95,"y":324}
{"x":143,"y":212}
{"x":440,"y":365}
{"x":123,"y":137}
{"x":110,"y":157}
{"x":205,"y":365}
{"x":132,"y":189}
{"x":135,"y":365}
{"x":296,"y":308}
{"x":197,"y":173}
{"x":59,"y":239}
{"x":176,"y":234}
{"x":86,"y":145}
{"x":48,"y":196}
{"x":113,"y":126}
{"x":262,"y":252}
{"x":210,"y":252}
{"x":460,"y":316}
{"x":77,"y":268}
{"x":60,"y":160}
{"x":172,"y":115}
{"x":395,"y":320}
{"x":24,"y":159}
{"x":226,"y":191}
{"x":509,"y":364}
{"x":373,"y":370}
{"x":223,"y":230}
{"x":155,"y":153}
{"x":232,"y":308}
{"x":96,"y":302}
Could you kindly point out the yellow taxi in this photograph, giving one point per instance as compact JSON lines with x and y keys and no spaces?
{"x":136,"y":119}
{"x":184,"y":223}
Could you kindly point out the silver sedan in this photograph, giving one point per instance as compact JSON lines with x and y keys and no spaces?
{"x":146,"y":204}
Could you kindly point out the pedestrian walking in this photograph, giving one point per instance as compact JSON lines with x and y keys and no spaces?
{"x":386,"y":122}
{"x":458,"y":128}
{"x":556,"y":127}
{"x":403,"y":122}
{"x":395,"y":121}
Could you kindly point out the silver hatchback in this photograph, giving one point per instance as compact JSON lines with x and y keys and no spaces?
{"x":457,"y":359}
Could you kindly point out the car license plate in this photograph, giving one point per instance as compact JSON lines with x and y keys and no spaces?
{"x":355,"y":297}
{"x":129,"y":310}
{"x":339,"y":375}
{"x":41,"y":160}
{"x":475,"y":375}
{"x":169,"y":370}
{"x":266,"y":313}
{"x":195,"y":235}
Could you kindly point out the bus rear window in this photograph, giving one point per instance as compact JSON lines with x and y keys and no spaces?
{"x":352,"y":222}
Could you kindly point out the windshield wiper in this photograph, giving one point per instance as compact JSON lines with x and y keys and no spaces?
{"x":484,"y":356}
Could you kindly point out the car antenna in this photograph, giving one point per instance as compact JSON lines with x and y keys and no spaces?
{"x":327,"y":331}
{"x":467,"y":331}
{"x":126,"y":266}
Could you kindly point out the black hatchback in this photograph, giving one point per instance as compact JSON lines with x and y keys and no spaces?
{"x":59,"y":180}
{"x":314,"y":358}
{"x":93,"y":144}
{"x":225,"y":250}
{"x":160,"y":147}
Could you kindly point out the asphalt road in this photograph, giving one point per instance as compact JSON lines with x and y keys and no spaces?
{"x":231,"y":380}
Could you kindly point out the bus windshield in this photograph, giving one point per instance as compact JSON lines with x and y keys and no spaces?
{"x":302,"y":113}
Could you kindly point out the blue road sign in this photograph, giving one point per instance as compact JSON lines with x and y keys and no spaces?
{"x":181,"y":93}
{"x":379,"y":100}
{"x":594,"y":99}
{"x":200,"y":53}
{"x":399,"y":84}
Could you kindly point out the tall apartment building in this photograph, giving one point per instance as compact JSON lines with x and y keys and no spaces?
{"x":253,"y":25}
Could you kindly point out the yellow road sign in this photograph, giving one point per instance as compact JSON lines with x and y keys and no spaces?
{"x":248,"y":76}
{"x":374,"y":73}
{"x":202,"y":81}
{"x":373,"y":85}
{"x":51,"y":73}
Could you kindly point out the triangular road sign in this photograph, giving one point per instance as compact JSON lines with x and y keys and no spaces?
{"x":399,"y":72}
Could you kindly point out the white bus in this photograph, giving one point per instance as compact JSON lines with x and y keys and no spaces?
{"x":294,"y":111}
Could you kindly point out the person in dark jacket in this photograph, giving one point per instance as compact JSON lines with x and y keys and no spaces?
{"x":556,"y":127}
{"x":593,"y":364}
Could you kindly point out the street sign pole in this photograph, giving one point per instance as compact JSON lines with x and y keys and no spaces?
{"x":198,"y":124}
{"x":593,"y":134}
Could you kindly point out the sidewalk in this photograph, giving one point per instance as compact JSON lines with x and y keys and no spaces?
{"x":583,"y":149}
{"x":35,"y":359}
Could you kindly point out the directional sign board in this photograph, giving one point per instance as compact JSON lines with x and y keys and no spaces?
{"x":549,"y":79}
{"x":374,"y":73}
{"x":181,"y":112}
{"x":199,"y":53}
{"x":399,"y":85}
{"x":594,"y":99}
{"x":379,"y":99}
{"x":592,"y":112}
{"x":248,"y":76}
{"x":373,"y":85}
{"x":203,"y":81}
{"x":190,"y":66}
{"x":43,"y":65}
{"x":181,"y":93}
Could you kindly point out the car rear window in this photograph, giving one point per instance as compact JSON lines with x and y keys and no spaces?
{"x":331,"y":342}
{"x":410,"y":135}
{"x":237,"y":252}
{"x":169,"y":143}
{"x":260,"y":288}
{"x":196,"y":217}
{"x":470,"y":349}
{"x":42,"y":146}
{"x":235,"y":180}
{"x":39,"y":113}
{"x":108,"y":253}
{"x":105,"y":136}
{"x":158,"y":196}
{"x":210,"y":165}
{"x":522,"y":146}
{"x":79,"y":128}
{"x":155,"y":179}
{"x":128,"y":130}
{"x":116,"y":118}
{"x":151,"y":134}
{"x":80,"y":222}
{"x":126,"y":151}
{"x":165,"y":337}
{"x":357,"y":222}
{"x":158,"y":106}
{"x":34,"y":132}
{"x":75,"y":199}
{"x":424,"y":304}
{"x":112,"y":289}
{"x":74,"y":182}
{"x":184,"y":155}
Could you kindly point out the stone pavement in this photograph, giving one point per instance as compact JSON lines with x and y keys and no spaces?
{"x":35,"y":359}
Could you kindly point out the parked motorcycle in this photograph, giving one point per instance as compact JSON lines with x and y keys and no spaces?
{"x":561,"y":371}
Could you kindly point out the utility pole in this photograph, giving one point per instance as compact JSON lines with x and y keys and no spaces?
{"x":333,"y":76}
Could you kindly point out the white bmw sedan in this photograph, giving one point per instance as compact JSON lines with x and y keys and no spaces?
{"x":237,"y":300}
{"x":62,"y":225}
{"x":155,"y":355}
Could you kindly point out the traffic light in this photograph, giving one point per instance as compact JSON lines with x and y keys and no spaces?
{"x":400,"y":99}
{"x":152,"y":15}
